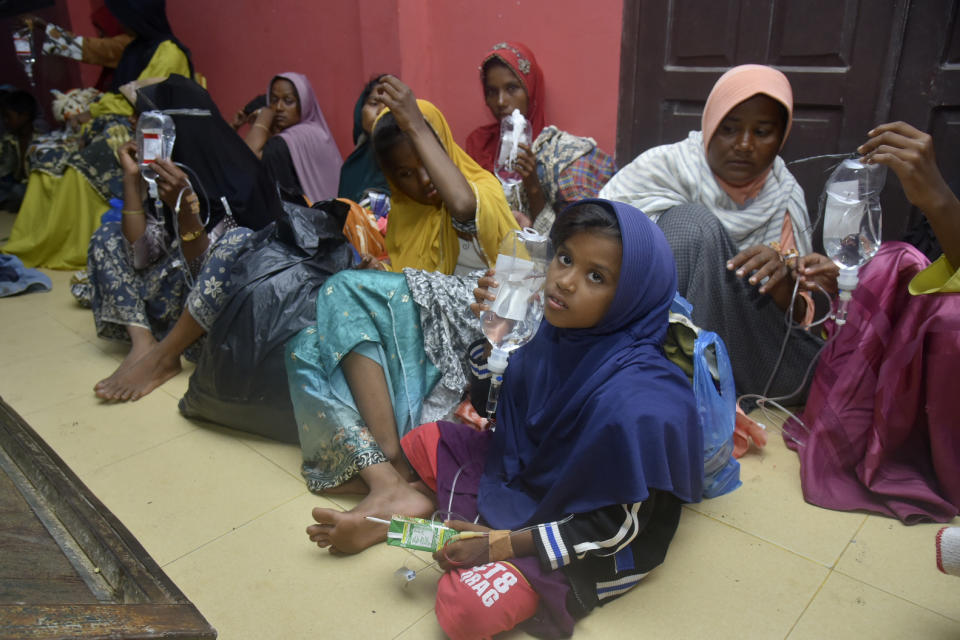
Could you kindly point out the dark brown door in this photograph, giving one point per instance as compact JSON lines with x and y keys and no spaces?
{"x":841,"y":57}
{"x":926,"y":91}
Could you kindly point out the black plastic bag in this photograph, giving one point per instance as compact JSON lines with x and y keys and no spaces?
{"x":240,"y":380}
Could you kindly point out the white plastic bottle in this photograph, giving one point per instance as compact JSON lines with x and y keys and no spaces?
{"x":156,"y":134}
{"x":514,"y":131}
{"x":852,"y":223}
{"x":514,"y":316}
{"x":23,"y":47}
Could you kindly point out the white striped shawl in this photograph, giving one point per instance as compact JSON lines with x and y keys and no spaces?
{"x":678,"y":173}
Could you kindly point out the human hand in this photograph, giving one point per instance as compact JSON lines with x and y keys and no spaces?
{"x":241,"y":118}
{"x":171,"y":180}
{"x":759,"y":262}
{"x":481,"y":294}
{"x":526,"y":164}
{"x":78,"y":119}
{"x":369,"y":262}
{"x":264,"y":117}
{"x":909,"y":153}
{"x":34,"y":22}
{"x":468,"y":552}
{"x":127,"y":154}
{"x":399,"y":98}
{"x":815,"y":270}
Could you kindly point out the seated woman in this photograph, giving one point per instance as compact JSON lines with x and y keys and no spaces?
{"x":558,"y":167}
{"x":360,"y":172}
{"x":159,"y":277}
{"x":736,"y":218}
{"x":577,"y":494}
{"x":879,"y":431}
{"x":68,"y":190}
{"x":386,"y":352}
{"x":291,"y":136}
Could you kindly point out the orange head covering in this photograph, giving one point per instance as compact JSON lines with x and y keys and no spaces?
{"x":736,"y":85}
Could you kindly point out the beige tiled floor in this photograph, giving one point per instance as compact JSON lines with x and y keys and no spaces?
{"x":224,"y":514}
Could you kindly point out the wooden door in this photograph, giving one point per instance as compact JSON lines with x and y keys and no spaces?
{"x":926,"y":92}
{"x":837,"y":54}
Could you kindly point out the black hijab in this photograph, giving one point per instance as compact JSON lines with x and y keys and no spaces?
{"x":148,"y":20}
{"x":360,"y":172}
{"x":219,"y":159}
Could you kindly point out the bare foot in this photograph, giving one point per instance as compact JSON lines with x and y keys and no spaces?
{"x":351,"y":532}
{"x":138,"y":349}
{"x":146,"y":374}
{"x":353,"y":486}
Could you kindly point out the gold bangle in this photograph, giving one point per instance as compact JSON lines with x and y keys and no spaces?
{"x":257,"y":124}
{"x":132,"y":212}
{"x":190,"y":236}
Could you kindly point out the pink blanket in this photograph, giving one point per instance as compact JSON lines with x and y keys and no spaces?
{"x":882,"y":426}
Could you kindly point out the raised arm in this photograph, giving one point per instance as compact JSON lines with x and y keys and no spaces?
{"x":452,"y":187}
{"x":909,"y":153}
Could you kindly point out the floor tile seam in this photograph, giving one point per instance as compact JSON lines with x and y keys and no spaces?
{"x":414,"y":623}
{"x":766,"y":540}
{"x":806,"y":607}
{"x":45,"y":407}
{"x":899,"y":596}
{"x":231,"y":531}
{"x":295,"y":476}
{"x":141,"y":451}
{"x":8,"y":361}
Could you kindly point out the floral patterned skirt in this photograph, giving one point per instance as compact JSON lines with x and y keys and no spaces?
{"x":154,"y":297}
{"x":372,"y":313}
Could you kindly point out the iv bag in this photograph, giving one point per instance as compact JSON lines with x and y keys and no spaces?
{"x":851,"y":212}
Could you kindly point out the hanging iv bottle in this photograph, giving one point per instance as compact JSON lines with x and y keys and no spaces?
{"x":23,"y":47}
{"x":514,"y":316}
{"x":156,"y":134}
{"x":852,"y":223}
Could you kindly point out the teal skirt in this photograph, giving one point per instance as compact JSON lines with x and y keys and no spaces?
{"x":373,"y":314}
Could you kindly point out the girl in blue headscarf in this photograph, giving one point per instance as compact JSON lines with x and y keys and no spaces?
{"x":576,"y":494}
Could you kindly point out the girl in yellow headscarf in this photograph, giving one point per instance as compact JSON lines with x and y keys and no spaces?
{"x":447,"y":214}
{"x":387,"y":352}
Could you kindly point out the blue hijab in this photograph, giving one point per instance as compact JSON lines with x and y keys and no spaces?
{"x":595,"y":417}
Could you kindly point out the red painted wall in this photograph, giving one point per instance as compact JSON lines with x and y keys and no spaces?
{"x":434,"y":45}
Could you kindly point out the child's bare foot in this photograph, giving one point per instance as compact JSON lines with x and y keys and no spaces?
{"x":351,"y":532}
{"x":140,"y":378}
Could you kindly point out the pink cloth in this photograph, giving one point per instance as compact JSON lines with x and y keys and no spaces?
{"x":881,"y":419}
{"x":313,"y":150}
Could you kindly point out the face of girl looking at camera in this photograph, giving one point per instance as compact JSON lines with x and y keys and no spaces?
{"x":285,"y":103}
{"x":582,"y":280}
{"x":503,"y":91}
{"x":369,"y":112}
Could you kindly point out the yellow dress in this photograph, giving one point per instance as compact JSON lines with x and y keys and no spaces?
{"x":939,"y":277}
{"x":60,"y":213}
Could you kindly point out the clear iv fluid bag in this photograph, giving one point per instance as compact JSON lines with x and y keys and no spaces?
{"x":852,"y":216}
{"x":156,"y":134}
{"x":514,"y":316}
{"x":514,"y":131}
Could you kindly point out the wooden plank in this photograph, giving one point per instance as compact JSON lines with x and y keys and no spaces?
{"x":89,"y":622}
{"x":68,"y":567}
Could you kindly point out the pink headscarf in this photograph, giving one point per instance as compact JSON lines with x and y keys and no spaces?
{"x":314,"y":152}
{"x":733,"y":87}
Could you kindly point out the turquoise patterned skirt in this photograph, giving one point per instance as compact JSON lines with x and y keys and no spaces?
{"x":371,"y":313}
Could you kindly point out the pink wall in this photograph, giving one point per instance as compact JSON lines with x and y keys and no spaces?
{"x":434,"y":45}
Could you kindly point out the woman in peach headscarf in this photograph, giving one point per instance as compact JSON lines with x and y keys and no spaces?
{"x":738,"y":226}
